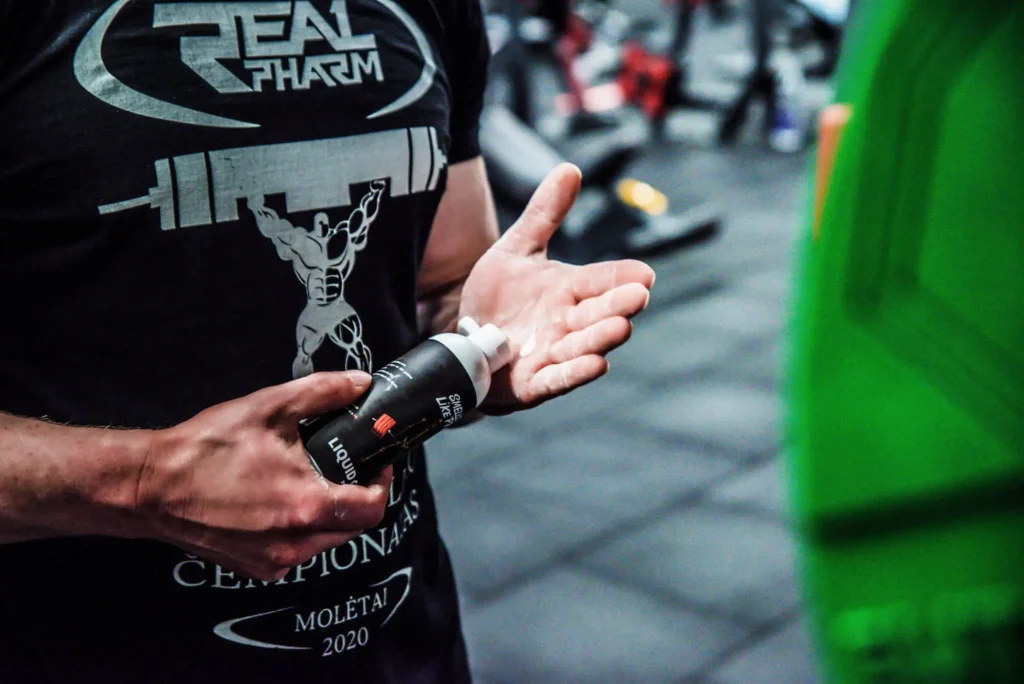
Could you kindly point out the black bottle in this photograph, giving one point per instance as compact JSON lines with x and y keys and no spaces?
{"x":410,"y":400}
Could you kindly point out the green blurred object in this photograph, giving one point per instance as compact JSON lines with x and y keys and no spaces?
{"x":906,"y":367}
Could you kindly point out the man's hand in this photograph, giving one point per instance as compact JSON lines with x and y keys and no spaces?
{"x":561,"y":319}
{"x":234,"y":484}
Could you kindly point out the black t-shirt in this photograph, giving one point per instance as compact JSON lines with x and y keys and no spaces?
{"x":198,"y":200}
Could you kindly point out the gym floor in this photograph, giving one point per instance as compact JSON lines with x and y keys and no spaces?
{"x":636,"y":530}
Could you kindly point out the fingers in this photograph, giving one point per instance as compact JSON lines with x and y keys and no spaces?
{"x":561,"y":378}
{"x":352,"y":507}
{"x":545,"y":213}
{"x":271,"y":560}
{"x":345,"y":513}
{"x":318,"y":522}
{"x":625,"y":301}
{"x":594,"y":280}
{"x":315,"y":394}
{"x":599,"y":338}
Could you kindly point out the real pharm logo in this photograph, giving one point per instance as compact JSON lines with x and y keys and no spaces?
{"x":252,"y":38}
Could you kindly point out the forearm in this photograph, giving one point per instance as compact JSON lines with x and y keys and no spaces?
{"x":465,"y":227}
{"x":440,"y":313}
{"x":67,"y":481}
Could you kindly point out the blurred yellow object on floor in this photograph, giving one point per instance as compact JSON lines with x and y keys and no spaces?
{"x":642,"y":196}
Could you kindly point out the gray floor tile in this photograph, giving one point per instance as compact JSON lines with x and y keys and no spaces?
{"x":730,"y":416}
{"x":787,"y":657}
{"x":679,"y":284}
{"x":733,"y":564}
{"x":591,"y":402}
{"x":666,"y":346}
{"x":736,"y":313}
{"x":765,"y":365}
{"x":495,"y":535}
{"x":761,"y":488}
{"x":736,"y":258}
{"x":774,"y":285}
{"x":570,"y":627}
{"x":451,"y":452}
{"x":606,"y":474}
{"x":755,"y":239}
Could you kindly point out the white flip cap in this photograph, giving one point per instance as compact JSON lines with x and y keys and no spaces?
{"x":490,"y":340}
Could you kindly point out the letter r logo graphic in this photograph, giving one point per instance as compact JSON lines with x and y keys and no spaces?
{"x":383,"y":424}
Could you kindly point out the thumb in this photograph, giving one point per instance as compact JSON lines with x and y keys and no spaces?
{"x":317,"y":394}
{"x":547,"y":209}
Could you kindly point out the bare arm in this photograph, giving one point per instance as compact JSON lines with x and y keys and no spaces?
{"x":465,"y":227}
{"x":59,"y":481}
{"x":233,"y":484}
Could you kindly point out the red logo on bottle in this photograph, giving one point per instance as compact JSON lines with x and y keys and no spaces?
{"x":383,"y":424}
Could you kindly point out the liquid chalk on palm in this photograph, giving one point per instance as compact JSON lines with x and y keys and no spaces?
{"x":410,"y":400}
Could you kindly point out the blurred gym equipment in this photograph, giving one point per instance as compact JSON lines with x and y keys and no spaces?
{"x":594,"y":42}
{"x":776,"y":82}
{"x":605,"y":63}
{"x":615,"y":215}
{"x":821,"y":25}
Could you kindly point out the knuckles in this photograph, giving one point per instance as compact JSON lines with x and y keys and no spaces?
{"x":306,"y":514}
{"x":313,"y":510}
{"x":282,"y":558}
{"x":377,"y":514}
{"x":624,"y":331}
{"x":323,"y":384}
{"x":318,"y":383}
{"x":377,"y":507}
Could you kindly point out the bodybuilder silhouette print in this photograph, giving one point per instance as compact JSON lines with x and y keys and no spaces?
{"x":323,"y":259}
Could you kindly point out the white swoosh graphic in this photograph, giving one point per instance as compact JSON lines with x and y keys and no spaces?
{"x":420,"y":88}
{"x":407,"y":574}
{"x":94,"y":76}
{"x":225,"y":631}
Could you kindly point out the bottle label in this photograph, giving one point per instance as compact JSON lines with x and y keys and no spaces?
{"x":410,"y":400}
{"x":451,"y":409}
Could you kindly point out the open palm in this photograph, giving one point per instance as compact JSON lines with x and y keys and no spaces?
{"x":561,"y":319}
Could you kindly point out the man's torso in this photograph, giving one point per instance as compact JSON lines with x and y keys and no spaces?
{"x":164,"y":170}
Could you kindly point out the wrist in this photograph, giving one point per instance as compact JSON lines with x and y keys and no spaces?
{"x":440,"y":312}
{"x":62,"y":481}
{"x":115,"y":477}
{"x":88,"y":484}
